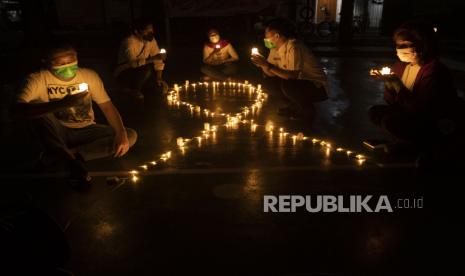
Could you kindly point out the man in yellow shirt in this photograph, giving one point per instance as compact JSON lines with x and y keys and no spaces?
{"x":58,"y":101}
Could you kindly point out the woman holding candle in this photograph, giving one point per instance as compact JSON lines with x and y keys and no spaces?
{"x":423,"y":107}
{"x":219,"y":58}
{"x":140,"y":61}
{"x":291,"y":70}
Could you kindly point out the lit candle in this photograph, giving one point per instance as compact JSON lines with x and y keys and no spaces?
{"x":83,"y":87}
{"x":162,"y":51}
{"x":217,"y":46}
{"x":385,"y":71}
{"x":255,"y":51}
{"x":206,"y":126}
{"x":180,"y":142}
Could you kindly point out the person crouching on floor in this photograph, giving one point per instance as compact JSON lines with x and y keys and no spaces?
{"x":423,"y":109}
{"x":140,"y":60}
{"x":291,"y":70}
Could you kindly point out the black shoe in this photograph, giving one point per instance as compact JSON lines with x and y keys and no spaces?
{"x":77,"y":171}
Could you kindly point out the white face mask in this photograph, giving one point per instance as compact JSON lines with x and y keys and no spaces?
{"x":407,"y":55}
{"x":214,"y":38}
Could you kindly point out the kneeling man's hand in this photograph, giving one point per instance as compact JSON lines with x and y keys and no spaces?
{"x":121,"y":144}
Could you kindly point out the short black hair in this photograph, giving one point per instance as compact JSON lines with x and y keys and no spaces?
{"x":422,"y":35}
{"x":282,"y":26}
{"x":55,"y":45}
{"x":140,"y":24}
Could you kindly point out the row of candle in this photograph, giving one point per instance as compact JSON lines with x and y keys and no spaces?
{"x":232,"y":122}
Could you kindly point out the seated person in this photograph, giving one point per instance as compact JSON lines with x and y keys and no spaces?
{"x":291,"y":69}
{"x":58,"y":101}
{"x":219,"y":58}
{"x":422,"y":102}
{"x":140,"y":61}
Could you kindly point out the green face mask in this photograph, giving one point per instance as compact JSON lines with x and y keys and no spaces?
{"x":66,"y":71}
{"x":269,"y":44}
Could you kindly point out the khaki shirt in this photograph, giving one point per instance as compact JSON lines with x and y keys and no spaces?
{"x":295,"y":56}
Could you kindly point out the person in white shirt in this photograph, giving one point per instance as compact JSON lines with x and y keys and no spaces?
{"x":293,"y":70}
{"x":140,"y":60}
{"x":58,"y":102}
{"x":219,"y":58}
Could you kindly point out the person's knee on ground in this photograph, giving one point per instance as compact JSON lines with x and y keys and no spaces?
{"x":132,"y":137}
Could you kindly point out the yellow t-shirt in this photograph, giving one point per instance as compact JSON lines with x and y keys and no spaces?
{"x":43,"y":87}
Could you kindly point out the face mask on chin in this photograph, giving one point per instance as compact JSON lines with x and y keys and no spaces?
{"x":66,"y":71}
{"x":407,"y":55}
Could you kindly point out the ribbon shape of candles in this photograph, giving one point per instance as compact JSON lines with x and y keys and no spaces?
{"x":232,"y":121}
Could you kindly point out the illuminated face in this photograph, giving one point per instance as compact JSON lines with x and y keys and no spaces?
{"x":406,"y":52}
{"x":63,"y":65}
{"x":148,"y":33}
{"x":271,"y":38}
{"x":214,"y":37}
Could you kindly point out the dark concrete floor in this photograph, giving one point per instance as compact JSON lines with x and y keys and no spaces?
{"x":202,"y":212}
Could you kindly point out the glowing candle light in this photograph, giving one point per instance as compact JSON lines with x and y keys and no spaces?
{"x":254,"y":127}
{"x":206,"y":126}
{"x":82,"y":87}
{"x":349,"y":152}
{"x":259,"y":87}
{"x":217,"y":46}
{"x":180,"y":142}
{"x":134,"y":178}
{"x":269,"y":127}
{"x":162,"y":51}
{"x":145,"y":167}
{"x":255,"y":51}
{"x":153,"y":163}
{"x":339,"y":149}
{"x":300,"y":136}
{"x":186,"y":83}
{"x":214,"y":128}
{"x":385,"y":71}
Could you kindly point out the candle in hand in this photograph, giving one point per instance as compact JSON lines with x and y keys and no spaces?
{"x":255,"y":51}
{"x":385,"y":71}
{"x":217,"y":46}
{"x":162,"y":51}
{"x":82,"y":87}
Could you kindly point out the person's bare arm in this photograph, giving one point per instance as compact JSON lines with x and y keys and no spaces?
{"x":121,"y":143}
{"x":33,"y":110}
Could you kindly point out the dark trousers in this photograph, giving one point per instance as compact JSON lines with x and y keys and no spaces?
{"x":91,"y":142}
{"x":136,"y":78}
{"x":301,"y":94}
{"x":219,"y":72}
{"x":404,"y":126}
